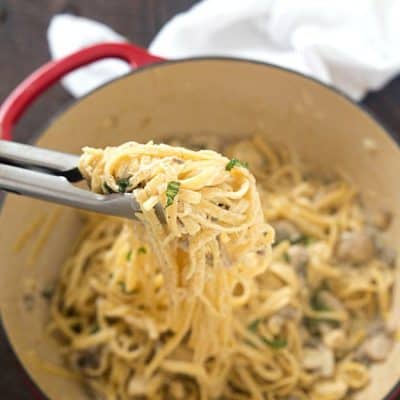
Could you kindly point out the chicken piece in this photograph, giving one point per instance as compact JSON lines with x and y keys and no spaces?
{"x":319,"y":359}
{"x":285,"y":230}
{"x":355,"y":247}
{"x":335,"y":339}
{"x":377,"y":347}
{"x":329,"y":390}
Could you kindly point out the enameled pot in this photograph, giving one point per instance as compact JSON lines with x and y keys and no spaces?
{"x":223,"y":97}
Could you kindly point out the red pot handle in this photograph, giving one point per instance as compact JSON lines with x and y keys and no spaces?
{"x":27,"y":91}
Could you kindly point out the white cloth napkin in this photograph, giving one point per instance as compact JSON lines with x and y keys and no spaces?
{"x":353,"y":45}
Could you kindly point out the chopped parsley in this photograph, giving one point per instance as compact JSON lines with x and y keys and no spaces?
{"x":286,"y":257}
{"x":142,"y":250}
{"x":312,"y":324}
{"x":317,"y":304}
{"x":276,"y":343}
{"x":172,"y":191}
{"x":123,"y":184}
{"x":252,"y":327}
{"x":95,"y":329}
{"x":236,"y":163}
{"x":123,"y":288}
{"x":303,"y":239}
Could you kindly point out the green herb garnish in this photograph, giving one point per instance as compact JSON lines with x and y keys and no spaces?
{"x":317,"y":304}
{"x":95,"y":329}
{"x":277,"y":343}
{"x":303,"y":239}
{"x":312,"y":324}
{"x":123,"y":184}
{"x":142,"y":250}
{"x":172,"y":191}
{"x":129,"y":255}
{"x":236,"y":163}
{"x":253,"y":326}
{"x":286,"y":257}
{"x":123,"y":288}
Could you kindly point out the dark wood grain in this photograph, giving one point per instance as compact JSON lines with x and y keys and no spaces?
{"x":23,"y":44}
{"x":23,"y":47}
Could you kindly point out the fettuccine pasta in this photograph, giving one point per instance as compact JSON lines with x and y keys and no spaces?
{"x":201,"y":298}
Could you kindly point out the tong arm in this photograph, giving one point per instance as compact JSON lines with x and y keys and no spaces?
{"x":58,"y":189}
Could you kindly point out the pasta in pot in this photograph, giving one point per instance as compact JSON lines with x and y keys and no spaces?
{"x":192,"y":302}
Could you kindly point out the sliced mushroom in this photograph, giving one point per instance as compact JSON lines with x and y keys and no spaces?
{"x":377,"y":347}
{"x":298,"y":256}
{"x":330,"y":389}
{"x":319,"y":360}
{"x":355,"y":247}
{"x":335,"y":339}
{"x":285,"y":230}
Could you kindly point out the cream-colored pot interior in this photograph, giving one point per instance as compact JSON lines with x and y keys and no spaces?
{"x":216,"y":97}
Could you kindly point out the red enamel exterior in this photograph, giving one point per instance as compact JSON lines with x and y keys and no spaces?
{"x":25,"y":93}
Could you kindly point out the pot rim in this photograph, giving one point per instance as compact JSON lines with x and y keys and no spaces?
{"x":395,"y":139}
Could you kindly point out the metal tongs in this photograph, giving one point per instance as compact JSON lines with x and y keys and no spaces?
{"x":48,"y":175}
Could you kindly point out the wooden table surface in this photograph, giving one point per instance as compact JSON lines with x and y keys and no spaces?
{"x":23,"y":47}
